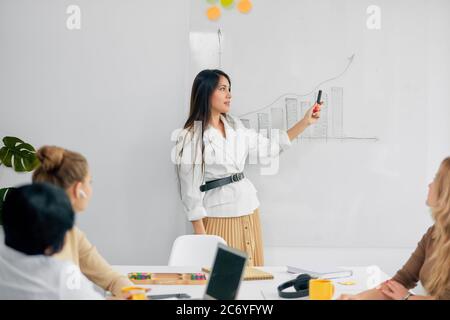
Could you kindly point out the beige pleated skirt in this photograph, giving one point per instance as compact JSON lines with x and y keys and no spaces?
{"x":242,"y":233}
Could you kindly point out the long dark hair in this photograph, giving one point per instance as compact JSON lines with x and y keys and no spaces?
{"x":203,"y":88}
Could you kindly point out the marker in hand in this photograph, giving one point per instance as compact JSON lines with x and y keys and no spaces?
{"x":319,"y":96}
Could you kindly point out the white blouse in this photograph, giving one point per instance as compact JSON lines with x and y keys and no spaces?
{"x":223,"y":157}
{"x":26,"y":277}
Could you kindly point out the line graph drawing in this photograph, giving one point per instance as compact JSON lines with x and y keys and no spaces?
{"x":285,"y":114}
{"x":300,"y":95}
{"x":330,"y":127}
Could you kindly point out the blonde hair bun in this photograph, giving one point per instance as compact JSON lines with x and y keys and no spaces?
{"x":50,"y":157}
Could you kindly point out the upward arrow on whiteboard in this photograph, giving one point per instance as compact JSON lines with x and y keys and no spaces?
{"x":349,"y":63}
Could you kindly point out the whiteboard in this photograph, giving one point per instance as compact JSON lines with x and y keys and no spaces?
{"x":359,"y":177}
{"x":117,"y":89}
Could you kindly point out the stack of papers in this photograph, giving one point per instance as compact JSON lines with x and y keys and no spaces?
{"x":323,"y":274}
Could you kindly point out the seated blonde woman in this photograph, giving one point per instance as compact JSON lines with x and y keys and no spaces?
{"x":430,"y":262}
{"x":69,"y":170}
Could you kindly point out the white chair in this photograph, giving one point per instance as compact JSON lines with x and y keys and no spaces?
{"x":194,"y":250}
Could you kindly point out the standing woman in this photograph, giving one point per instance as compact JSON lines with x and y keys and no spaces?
{"x":211,"y":153}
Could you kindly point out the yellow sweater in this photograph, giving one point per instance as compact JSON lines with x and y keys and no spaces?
{"x":80,"y":251}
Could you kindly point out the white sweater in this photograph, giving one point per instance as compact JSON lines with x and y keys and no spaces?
{"x":26,"y":277}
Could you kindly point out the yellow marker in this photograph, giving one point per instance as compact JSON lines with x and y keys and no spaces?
{"x":136,"y":293}
{"x":347,"y":283}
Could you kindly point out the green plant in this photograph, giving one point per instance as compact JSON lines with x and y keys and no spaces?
{"x":18,"y":155}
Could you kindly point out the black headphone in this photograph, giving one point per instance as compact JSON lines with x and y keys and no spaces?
{"x":300,"y":284}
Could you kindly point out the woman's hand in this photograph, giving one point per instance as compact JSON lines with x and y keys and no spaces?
{"x":313,"y":114}
{"x":393,"y":290}
{"x":123,"y":296}
{"x":198,"y":226}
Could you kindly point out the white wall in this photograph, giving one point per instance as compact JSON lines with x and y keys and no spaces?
{"x":113,"y":91}
{"x":116,"y":89}
{"x":438,"y":75}
{"x":348,"y":198}
{"x":390,"y":259}
{"x":336,"y":191}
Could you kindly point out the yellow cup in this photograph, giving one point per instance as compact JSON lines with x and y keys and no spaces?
{"x":136,"y":293}
{"x":321,"y":289}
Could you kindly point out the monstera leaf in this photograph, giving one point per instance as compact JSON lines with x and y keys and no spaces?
{"x":18,"y":155}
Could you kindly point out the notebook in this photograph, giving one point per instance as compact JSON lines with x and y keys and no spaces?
{"x":323,"y":274}
{"x":251,"y":273}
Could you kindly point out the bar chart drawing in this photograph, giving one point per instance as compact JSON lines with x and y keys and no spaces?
{"x":263,"y":124}
{"x":337,"y":97}
{"x":291,"y":105}
{"x":320,"y":129}
{"x":283,"y":117}
{"x":277,"y":116}
{"x":304,"y":106}
{"x":246,"y":123}
{"x":291,"y":111}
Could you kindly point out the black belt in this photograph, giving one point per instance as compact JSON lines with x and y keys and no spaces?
{"x":222,"y":182}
